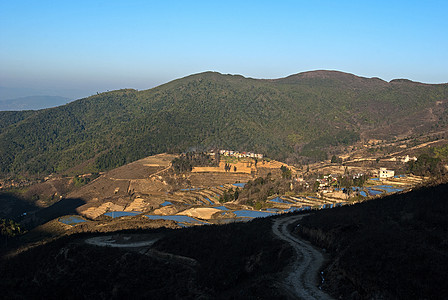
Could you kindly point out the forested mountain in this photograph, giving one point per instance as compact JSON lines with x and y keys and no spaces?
{"x":297,"y":116}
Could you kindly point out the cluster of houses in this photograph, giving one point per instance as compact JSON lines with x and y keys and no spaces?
{"x":403,"y":159}
{"x":240,"y":154}
{"x":326,"y":181}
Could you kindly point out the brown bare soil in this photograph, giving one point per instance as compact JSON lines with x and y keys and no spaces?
{"x":137,"y":205}
{"x":93,"y":212}
{"x":148,"y":186}
{"x":49,"y":192}
{"x":241,"y":167}
{"x":142,"y":168}
{"x":101,"y":188}
{"x":200,"y":212}
{"x":145,"y":184}
{"x":119,"y":186}
{"x":215,"y":179}
{"x":166,"y":210}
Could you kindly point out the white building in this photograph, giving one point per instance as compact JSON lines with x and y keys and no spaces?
{"x":240,"y":154}
{"x":407,"y":158}
{"x":385,"y":173}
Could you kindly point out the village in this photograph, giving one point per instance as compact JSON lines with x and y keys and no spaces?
{"x":238,"y":154}
{"x":326,"y":182}
{"x":247,"y":186}
{"x":315,"y":187}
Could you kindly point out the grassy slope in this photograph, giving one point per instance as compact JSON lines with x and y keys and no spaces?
{"x":211,"y":109}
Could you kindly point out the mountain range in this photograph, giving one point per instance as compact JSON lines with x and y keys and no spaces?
{"x":301,"y":116}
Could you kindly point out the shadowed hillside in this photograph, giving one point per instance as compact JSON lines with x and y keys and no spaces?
{"x":395,"y":247}
{"x":388,"y":248}
{"x":234,"y":261}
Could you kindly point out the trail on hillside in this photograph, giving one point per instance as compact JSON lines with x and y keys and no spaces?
{"x":302,"y":274}
{"x":161,"y":171}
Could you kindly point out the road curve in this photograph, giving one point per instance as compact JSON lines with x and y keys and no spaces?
{"x":301,"y":275}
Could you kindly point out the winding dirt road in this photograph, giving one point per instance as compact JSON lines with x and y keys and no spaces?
{"x":301,"y":275}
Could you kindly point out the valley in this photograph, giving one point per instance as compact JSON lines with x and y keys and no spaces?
{"x":224,"y":150}
{"x":128,"y":176}
{"x":150,"y":192}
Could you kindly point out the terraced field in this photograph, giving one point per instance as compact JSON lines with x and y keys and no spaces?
{"x":148,"y":187}
{"x":200,"y":205}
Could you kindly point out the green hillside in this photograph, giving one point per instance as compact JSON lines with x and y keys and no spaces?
{"x":297,"y":116}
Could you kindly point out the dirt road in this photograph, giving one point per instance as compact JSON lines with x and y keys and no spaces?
{"x":301,"y":277}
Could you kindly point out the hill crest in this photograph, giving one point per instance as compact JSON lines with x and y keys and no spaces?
{"x":301,"y":115}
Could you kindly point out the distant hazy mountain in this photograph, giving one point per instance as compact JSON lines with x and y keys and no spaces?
{"x":302,"y":115}
{"x":33,"y":102}
{"x":7,"y":93}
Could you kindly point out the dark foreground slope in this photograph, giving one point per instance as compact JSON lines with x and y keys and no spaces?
{"x":231,"y":261}
{"x":301,"y":115}
{"x":391,"y":248}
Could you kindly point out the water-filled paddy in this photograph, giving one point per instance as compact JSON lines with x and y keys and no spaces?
{"x":274,"y":209}
{"x":392,"y":190}
{"x":399,"y":176}
{"x":221,"y":207}
{"x":252,"y":213}
{"x":240,"y":184}
{"x":280,"y":200}
{"x":71,"y":220}
{"x":388,"y":188}
{"x":117,"y":214}
{"x":209,"y":202}
{"x":294,"y":209}
{"x":176,"y":218}
{"x":374,"y":192}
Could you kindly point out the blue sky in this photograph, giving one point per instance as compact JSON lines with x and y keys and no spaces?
{"x":104,"y":45}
